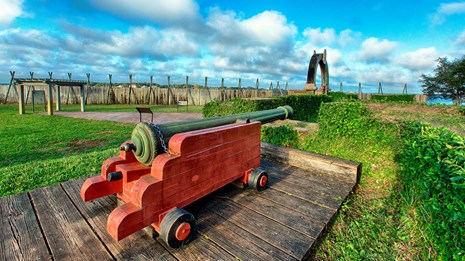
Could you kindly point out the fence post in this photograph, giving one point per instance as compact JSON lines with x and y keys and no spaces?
{"x":380,"y":88}
{"x":169,"y":84}
{"x":206,"y":89}
{"x":110,"y":88}
{"x":256,"y":87}
{"x":404,"y":91}
{"x":359,"y":90}
{"x":88,"y":86}
{"x":50,"y":95}
{"x":222,"y":89}
{"x":340,"y":87}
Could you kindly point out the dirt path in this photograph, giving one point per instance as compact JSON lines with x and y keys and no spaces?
{"x":132,"y":116}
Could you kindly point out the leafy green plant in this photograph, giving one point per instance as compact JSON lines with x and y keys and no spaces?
{"x":281,"y":135}
{"x":305,"y":106}
{"x":462,"y":110}
{"x":341,"y":96}
{"x":393,"y":97}
{"x":433,"y":170}
{"x":339,"y":119}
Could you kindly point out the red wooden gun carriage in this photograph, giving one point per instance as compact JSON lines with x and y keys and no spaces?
{"x":156,"y":181}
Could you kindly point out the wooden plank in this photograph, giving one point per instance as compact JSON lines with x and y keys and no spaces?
{"x":332,"y":190}
{"x":345,"y":169}
{"x":235,"y":239}
{"x":138,"y":245}
{"x":20,"y":236}
{"x":264,"y":228}
{"x":299,"y":222}
{"x":66,"y":232}
{"x":201,"y":248}
{"x":330,"y":195}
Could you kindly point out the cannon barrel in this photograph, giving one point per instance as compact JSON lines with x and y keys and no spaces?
{"x":149,"y":139}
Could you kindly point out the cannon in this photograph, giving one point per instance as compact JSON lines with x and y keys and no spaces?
{"x":165,"y":167}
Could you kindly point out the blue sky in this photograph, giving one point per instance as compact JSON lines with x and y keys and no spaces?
{"x":392,"y":42}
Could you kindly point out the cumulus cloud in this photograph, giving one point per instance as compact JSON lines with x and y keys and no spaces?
{"x":375,"y":50}
{"x":173,"y":12}
{"x":461,"y":39}
{"x":10,"y":9}
{"x":316,"y":36}
{"x":420,"y":59}
{"x":256,"y":44}
{"x":447,"y":9}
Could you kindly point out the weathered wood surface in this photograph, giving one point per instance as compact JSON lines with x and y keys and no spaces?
{"x":281,"y":223}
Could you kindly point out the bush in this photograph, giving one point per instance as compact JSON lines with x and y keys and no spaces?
{"x":305,"y":107}
{"x":341,"y":96}
{"x":393,"y":97}
{"x":280,"y":136}
{"x":432,"y":162}
{"x":342,"y":118}
{"x":462,"y":110}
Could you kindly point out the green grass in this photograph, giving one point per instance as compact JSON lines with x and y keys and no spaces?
{"x":39,"y":150}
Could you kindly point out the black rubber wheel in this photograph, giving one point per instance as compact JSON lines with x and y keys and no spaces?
{"x":258,"y":179}
{"x":177,"y":227}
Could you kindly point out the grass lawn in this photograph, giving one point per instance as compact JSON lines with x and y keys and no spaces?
{"x":39,"y":150}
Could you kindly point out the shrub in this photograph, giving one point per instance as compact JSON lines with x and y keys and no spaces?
{"x":281,"y":136}
{"x":339,"y":119}
{"x":462,"y":110}
{"x":432,"y":161}
{"x":393,"y":97}
{"x":305,"y":107}
{"x":340,"y":96}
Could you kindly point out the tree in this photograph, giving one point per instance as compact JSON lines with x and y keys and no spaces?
{"x":448,"y":81}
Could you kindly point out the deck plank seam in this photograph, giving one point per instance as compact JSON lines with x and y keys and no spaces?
{"x":302,"y":198}
{"x":42,"y":232}
{"x":240,"y":227}
{"x":88,"y":223}
{"x":295,"y":210}
{"x":277,"y":221}
{"x":204,"y":235}
{"x":257,"y":236}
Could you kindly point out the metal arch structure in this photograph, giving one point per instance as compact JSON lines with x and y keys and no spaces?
{"x":317,"y":60}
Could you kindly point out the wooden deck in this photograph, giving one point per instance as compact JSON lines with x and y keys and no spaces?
{"x":281,"y":223}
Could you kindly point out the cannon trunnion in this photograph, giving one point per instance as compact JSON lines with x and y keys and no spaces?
{"x":193,"y":164}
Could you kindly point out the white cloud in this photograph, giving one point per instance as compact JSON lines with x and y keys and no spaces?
{"x":375,"y":50}
{"x":268,"y":28}
{"x":10,"y":9}
{"x":317,"y":36}
{"x":448,"y":9}
{"x":420,"y":59}
{"x":461,"y":39}
{"x":162,"y":11}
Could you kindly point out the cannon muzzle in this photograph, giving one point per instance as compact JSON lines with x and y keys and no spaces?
{"x":149,"y":139}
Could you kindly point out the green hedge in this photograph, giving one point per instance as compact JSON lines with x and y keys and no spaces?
{"x":305,"y":107}
{"x":282,"y":136}
{"x":394,"y":97}
{"x":433,"y":169}
{"x":341,"y":96}
{"x":338,"y":119}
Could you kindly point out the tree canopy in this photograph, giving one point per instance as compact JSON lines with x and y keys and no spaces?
{"x":448,"y":81}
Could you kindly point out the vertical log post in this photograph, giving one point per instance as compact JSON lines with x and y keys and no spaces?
{"x":222,"y":89}
{"x":169,"y":86}
{"x":50,"y":95}
{"x":110,"y":88}
{"x":21,"y":99}
{"x":340,"y":87}
{"x":12,"y":73}
{"x":88,"y":87}
{"x":359,"y":90}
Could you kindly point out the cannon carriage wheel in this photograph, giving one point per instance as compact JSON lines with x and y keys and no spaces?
{"x":177,"y":227}
{"x":258,"y":179}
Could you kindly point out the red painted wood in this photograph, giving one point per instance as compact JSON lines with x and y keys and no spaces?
{"x":202,"y":162}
